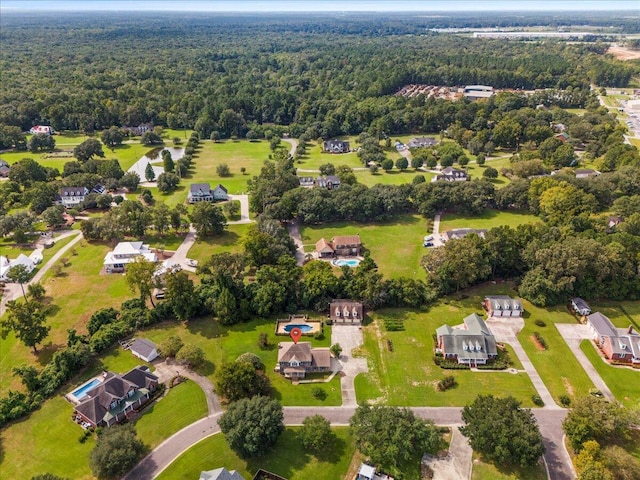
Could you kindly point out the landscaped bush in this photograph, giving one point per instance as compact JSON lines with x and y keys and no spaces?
{"x":540,"y":340}
{"x":540,"y":323}
{"x":452,"y":365}
{"x":390,"y":345}
{"x":318,"y":393}
{"x":393,"y":325}
{"x":319,"y":335}
{"x":252,"y":358}
{"x":537,"y":400}
{"x":446,"y":383}
{"x":263,"y":341}
{"x":565,"y":400}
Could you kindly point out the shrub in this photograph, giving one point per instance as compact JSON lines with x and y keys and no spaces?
{"x":446,"y":383}
{"x":319,"y":393}
{"x":251,"y":358}
{"x":565,"y":400}
{"x":319,"y":335}
{"x":537,"y":400}
{"x":540,"y":323}
{"x":540,"y":340}
{"x":263,"y":341}
{"x":171,"y":346}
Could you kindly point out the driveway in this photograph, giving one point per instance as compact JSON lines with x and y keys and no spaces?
{"x":244,"y":209}
{"x":573,"y":334}
{"x":505,"y":330}
{"x":458,"y":462}
{"x":294,"y":145}
{"x":180,"y":255}
{"x":349,"y":337}
{"x":294,"y":233}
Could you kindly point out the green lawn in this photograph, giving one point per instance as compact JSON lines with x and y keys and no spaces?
{"x":394,"y":177}
{"x":489,"y":471}
{"x":225,"y":344}
{"x":407,"y":375}
{"x":623,"y":382}
{"x":288,"y":458}
{"x":315,"y":157}
{"x":488,"y":219}
{"x":183,"y":405}
{"x":395,"y":246}
{"x":230,"y":241}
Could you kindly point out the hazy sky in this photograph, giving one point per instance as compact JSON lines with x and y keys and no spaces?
{"x":320,"y":5}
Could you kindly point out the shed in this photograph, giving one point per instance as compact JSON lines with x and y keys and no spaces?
{"x":144,"y":349}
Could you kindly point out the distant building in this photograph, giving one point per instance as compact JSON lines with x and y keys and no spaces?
{"x":127,"y":252}
{"x":201,"y":192}
{"x":70,"y":197}
{"x":307,"y":182}
{"x":336,"y":146}
{"x":346,"y":245}
{"x":450,"y":174}
{"x":346,"y":311}
{"x":29,"y":263}
{"x":472,"y":344}
{"x":458,"y":233}
{"x":580,"y":306}
{"x":618,"y":344}
{"x":586,"y":173}
{"x":221,"y":474}
{"x":420,"y":142}
{"x":613,"y":221}
{"x":476,"y":92}
{"x":144,"y":349}
{"x":329,"y":182}
{"x":367,"y":472}
{"x":41,"y":129}
{"x":4,"y":169}
{"x":503,"y":306}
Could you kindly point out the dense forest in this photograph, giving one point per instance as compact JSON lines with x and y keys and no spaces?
{"x":225,"y":73}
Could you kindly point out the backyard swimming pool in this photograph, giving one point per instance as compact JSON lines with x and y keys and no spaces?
{"x":348,"y":263}
{"x":303,"y":328}
{"x":82,"y":391}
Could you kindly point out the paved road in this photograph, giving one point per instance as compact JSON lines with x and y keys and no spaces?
{"x":244,"y":209}
{"x":294,"y":145}
{"x":294,"y":233}
{"x":573,"y":334}
{"x":505,"y":330}
{"x":180,"y":255}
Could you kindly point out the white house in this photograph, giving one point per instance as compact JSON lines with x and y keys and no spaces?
{"x":220,"y":193}
{"x":41,"y":129}
{"x":72,"y":196}
{"x":127,"y":252}
{"x":144,"y":349}
{"x":5,"y":264}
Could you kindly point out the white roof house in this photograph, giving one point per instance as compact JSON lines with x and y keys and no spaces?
{"x":6,"y":264}
{"x":127,"y":252}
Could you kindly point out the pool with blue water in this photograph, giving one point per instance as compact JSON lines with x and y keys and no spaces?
{"x":82,"y":391}
{"x":303,"y":328}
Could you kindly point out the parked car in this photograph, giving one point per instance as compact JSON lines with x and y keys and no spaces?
{"x":427,"y":244}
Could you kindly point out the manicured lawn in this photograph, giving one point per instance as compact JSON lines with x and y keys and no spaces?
{"x":225,"y":344}
{"x":407,"y":375}
{"x":230,"y":241}
{"x":395,"y":246}
{"x":315,"y":157}
{"x":489,"y":471}
{"x":623,"y":382}
{"x":488,"y":219}
{"x":621,"y":314}
{"x":183,"y":405}
{"x":288,"y":458}
{"x":394,"y":177}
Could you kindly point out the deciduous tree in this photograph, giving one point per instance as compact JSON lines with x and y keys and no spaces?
{"x":27,"y":321}
{"x":117,"y":450}
{"x":237,"y":380}
{"x":88,"y":149}
{"x":316,"y":433}
{"x":207,"y":219}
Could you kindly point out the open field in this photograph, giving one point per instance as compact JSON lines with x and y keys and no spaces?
{"x":489,"y":471}
{"x":288,"y":458}
{"x":408,"y":376}
{"x":394,"y":177}
{"x":395,"y":246}
{"x":623,"y":53}
{"x":230,"y":241}
{"x":224,"y":344}
{"x":489,"y":219}
{"x":623,"y":382}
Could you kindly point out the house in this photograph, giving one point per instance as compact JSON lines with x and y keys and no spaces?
{"x":220,"y":474}
{"x":450,"y":174}
{"x":586,"y":173}
{"x":139,"y":130}
{"x":70,"y":197}
{"x":99,"y":189}
{"x":4,"y":169}
{"x":618,"y":344}
{"x":580,"y":306}
{"x":199,"y":192}
{"x":420,"y":142}
{"x":503,"y":306}
{"x":476,"y":92}
{"x":346,"y":311}
{"x":329,"y":182}
{"x":42,"y":129}
{"x":27,"y":262}
{"x":563,"y":137}
{"x":262,"y":474}
{"x":614,"y":221}
{"x":458,"y":233}
{"x":346,"y":246}
{"x":127,"y":252}
{"x":335,"y":146}
{"x":144,"y":349}
{"x":306,"y":182}
{"x":220,"y":193}
{"x":295,"y":360}
{"x":472,"y":344}
{"x":116,"y":397}
{"x":367,"y":472}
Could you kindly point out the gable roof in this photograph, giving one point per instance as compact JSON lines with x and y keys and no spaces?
{"x":143,"y":347}
{"x":73,"y":191}
{"x":290,"y":351}
{"x":602,"y":324}
{"x":504,"y":302}
{"x":220,"y":474}
{"x":346,"y":240}
{"x":200,"y":189}
{"x":221,"y":187}
{"x":323,"y":246}
{"x":473,"y":341}
{"x":580,"y":304}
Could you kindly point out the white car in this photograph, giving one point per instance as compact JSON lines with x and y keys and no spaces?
{"x":192,"y":263}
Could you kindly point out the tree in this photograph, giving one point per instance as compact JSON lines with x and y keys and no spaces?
{"x":36,"y":291}
{"x":112,"y":137}
{"x":207,"y":219}
{"x":502,"y":431}
{"x":140,"y":276}
{"x":251,"y":135}
{"x":237,"y":380}
{"x":387,"y":164}
{"x":180,"y":290}
{"x":243,"y":170}
{"x":316,"y":433}
{"x":215,"y":136}
{"x":130,"y":181}
{"x":490,"y":172}
{"x":223,"y":170}
{"x":252,"y":426}
{"x":149,"y":174}
{"x":28,"y":376}
{"x":402,"y":163}
{"x":151,"y":138}
{"x":53,"y":216}
{"x":41,"y":142}
{"x":595,"y":419}
{"x":327,"y":169}
{"x":116,"y":452}
{"x":167,"y":161}
{"x":167,"y":182}
{"x":27,"y":321}
{"x":171,"y":346}
{"x":480,"y":159}
{"x":88,"y":149}
{"x":191,"y":356}
{"x":19,"y":274}
{"x":336,"y":350}
{"x":391,"y":436}
{"x":417,"y":162}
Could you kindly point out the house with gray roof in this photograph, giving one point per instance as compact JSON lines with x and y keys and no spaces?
{"x":471,"y":344}
{"x":458,"y":233}
{"x":336,"y":146}
{"x":618,"y":344}
{"x":144,"y":349}
{"x":72,"y":196}
{"x":580,"y":306}
{"x":450,"y":174}
{"x":503,"y":306}
{"x":220,"y":474}
{"x":295,"y":360}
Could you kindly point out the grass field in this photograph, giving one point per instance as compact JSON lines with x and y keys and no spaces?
{"x":225,"y":344}
{"x":623,"y":382}
{"x":488,"y":219}
{"x":483,"y":470}
{"x":395,"y":246}
{"x":394,"y":177}
{"x":288,"y":458}
{"x":183,"y":405}
{"x":408,"y":376}
{"x":230,"y":241}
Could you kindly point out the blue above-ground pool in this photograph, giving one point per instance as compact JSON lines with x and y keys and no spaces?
{"x":348,"y":263}
{"x":303,"y":328}
{"x":81,"y":392}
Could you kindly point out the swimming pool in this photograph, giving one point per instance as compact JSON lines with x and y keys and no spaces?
{"x":303,"y":328}
{"x":82,"y":391}
{"x":348,"y":263}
